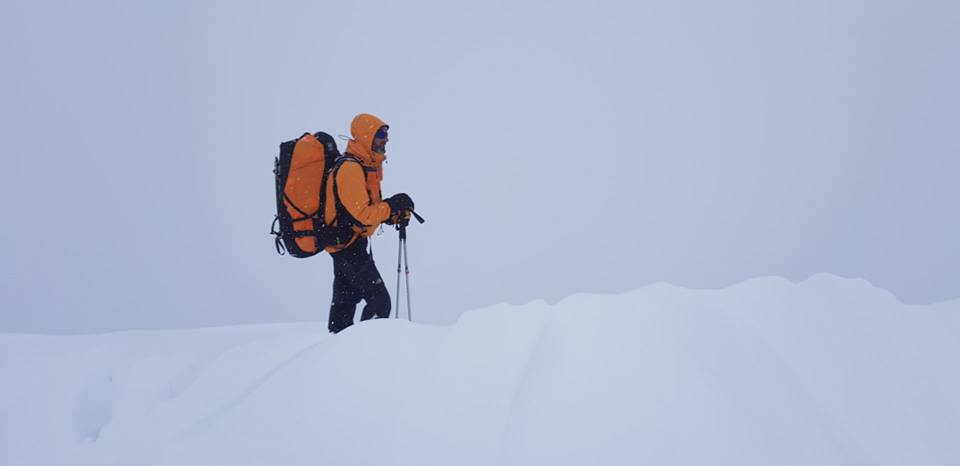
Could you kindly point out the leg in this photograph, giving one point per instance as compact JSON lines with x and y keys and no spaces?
{"x":378,"y":300}
{"x":341,"y":316}
{"x":366,"y":282}
{"x":343,"y":305}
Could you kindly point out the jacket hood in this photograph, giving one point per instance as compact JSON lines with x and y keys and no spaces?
{"x":363,"y":128}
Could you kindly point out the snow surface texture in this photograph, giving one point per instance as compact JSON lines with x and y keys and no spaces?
{"x":830,"y":371}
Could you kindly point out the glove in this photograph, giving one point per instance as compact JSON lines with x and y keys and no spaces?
{"x":399,"y":203}
{"x":401,"y":218}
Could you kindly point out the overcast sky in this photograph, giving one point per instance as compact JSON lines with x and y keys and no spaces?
{"x":554,"y":148}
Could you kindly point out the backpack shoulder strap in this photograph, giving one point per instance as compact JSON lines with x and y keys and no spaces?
{"x":346,"y":158}
{"x":343,"y":218}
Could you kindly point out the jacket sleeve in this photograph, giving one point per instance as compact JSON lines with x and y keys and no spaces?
{"x":353,"y":194}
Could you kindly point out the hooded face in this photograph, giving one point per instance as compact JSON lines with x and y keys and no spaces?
{"x":365,"y":145}
{"x":380,"y":139}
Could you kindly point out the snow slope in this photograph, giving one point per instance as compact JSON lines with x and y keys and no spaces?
{"x":830,"y":371}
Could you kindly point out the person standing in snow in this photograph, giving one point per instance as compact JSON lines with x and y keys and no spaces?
{"x":357,"y":184}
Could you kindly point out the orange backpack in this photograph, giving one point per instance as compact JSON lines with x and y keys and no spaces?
{"x":301,"y":172}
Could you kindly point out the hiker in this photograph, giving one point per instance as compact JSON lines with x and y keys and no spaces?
{"x":357,"y":184}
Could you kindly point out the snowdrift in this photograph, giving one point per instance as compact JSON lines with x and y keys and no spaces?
{"x":830,"y":371}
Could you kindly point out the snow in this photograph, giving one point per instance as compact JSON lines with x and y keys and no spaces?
{"x":827,"y":371}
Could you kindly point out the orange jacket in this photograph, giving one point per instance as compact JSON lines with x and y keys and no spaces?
{"x":359,"y":184}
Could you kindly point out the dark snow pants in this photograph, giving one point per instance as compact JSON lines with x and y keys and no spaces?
{"x":356,"y":278}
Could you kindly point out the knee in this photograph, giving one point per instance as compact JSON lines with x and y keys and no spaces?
{"x":345,"y":298}
{"x":379,"y":303}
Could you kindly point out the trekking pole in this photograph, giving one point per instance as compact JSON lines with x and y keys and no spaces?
{"x":403,"y":240}
{"x":406,"y":273}
{"x":402,"y":254}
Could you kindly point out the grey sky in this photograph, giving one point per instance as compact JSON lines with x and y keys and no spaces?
{"x":554,"y":148}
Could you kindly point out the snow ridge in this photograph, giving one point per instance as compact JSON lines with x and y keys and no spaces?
{"x":826,"y":371}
